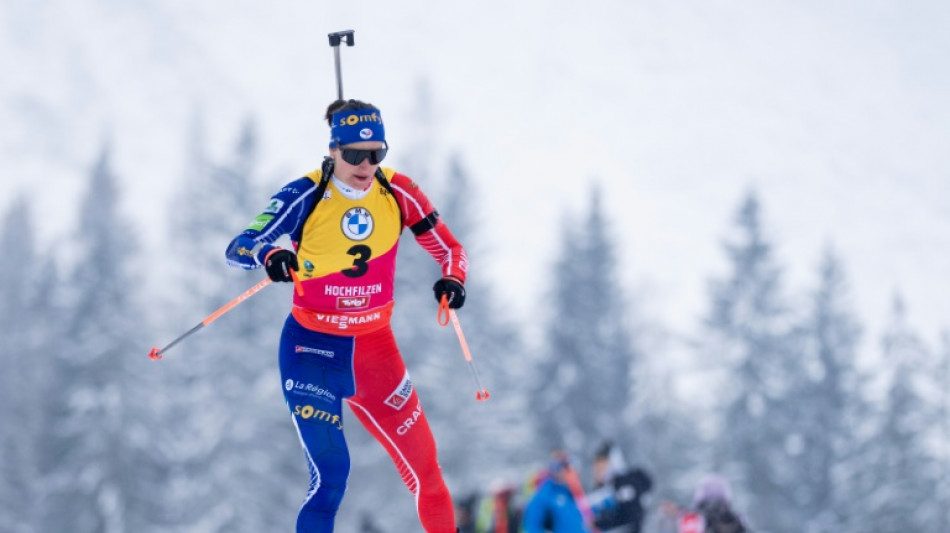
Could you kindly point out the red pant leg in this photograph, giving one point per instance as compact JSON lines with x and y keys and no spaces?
{"x":388,"y":406}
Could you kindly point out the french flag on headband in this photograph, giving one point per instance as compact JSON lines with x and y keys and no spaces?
{"x":356,"y":125}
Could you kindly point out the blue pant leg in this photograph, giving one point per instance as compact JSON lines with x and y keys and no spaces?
{"x":316,"y":372}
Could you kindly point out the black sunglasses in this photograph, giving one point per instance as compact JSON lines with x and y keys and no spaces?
{"x":355,"y":157}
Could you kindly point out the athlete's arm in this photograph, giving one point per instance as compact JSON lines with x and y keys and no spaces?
{"x":431,"y":233}
{"x":283,"y":216}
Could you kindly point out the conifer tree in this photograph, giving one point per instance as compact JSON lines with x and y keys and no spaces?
{"x":902,"y":479}
{"x":584,"y":374}
{"x":827,"y":430}
{"x":99,"y":459}
{"x":943,"y":433}
{"x":747,"y":333}
{"x":28,"y":325}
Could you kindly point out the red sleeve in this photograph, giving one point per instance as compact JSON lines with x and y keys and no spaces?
{"x":432,"y":234}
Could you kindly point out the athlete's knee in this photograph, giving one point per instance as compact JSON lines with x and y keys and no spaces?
{"x":318,"y":511}
{"x":434,"y":489}
{"x":334,"y":468}
{"x":329,"y":470}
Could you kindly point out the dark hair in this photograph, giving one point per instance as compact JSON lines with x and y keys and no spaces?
{"x":603,"y":452}
{"x":346,"y":105}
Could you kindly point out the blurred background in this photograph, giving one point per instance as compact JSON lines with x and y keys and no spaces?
{"x":713,"y":233}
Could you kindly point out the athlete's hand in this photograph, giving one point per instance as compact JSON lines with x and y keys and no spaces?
{"x":279,"y":262}
{"x":452,"y":289}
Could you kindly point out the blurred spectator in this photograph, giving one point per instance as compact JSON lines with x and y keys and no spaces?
{"x":618,"y":493}
{"x":465,"y":513}
{"x":711,"y":511}
{"x":554,"y":506}
{"x":499,"y":511}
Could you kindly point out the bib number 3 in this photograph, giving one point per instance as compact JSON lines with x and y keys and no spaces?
{"x":361,"y":254}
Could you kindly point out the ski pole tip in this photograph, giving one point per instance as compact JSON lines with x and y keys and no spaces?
{"x":155,"y":354}
{"x":482,"y":395}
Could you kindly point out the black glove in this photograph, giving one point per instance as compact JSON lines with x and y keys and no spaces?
{"x":279,"y":264}
{"x":452,"y":289}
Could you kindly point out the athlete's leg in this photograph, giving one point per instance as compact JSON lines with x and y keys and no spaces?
{"x":316,"y":375}
{"x":388,"y":406}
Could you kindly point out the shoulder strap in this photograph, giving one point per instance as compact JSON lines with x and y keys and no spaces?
{"x":381,"y":178}
{"x":326,"y":170}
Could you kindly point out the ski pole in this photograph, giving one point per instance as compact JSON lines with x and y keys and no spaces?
{"x":445,"y":314}
{"x":335,"y":39}
{"x":156,"y":354}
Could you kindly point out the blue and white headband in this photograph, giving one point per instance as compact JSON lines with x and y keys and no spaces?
{"x":356,"y":125}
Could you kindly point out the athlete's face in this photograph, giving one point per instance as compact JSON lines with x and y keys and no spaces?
{"x":360,"y":175}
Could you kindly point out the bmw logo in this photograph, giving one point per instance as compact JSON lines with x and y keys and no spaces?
{"x":357,"y":224}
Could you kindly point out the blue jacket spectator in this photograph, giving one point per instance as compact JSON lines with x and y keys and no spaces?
{"x":553,"y":507}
